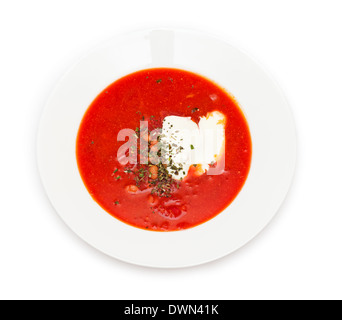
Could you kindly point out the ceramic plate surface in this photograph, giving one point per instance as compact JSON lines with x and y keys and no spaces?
{"x":266,"y":110}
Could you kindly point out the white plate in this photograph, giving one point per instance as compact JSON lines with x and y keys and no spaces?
{"x":267,"y":112}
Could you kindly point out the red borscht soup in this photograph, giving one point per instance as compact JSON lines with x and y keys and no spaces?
{"x":136,"y":149}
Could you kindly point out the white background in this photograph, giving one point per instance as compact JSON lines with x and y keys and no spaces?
{"x":298,"y":256}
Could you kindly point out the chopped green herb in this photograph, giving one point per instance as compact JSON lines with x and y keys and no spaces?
{"x":92,"y":142}
{"x":116,"y":170}
{"x":192,"y":147}
{"x":212,"y":163}
{"x":117,"y":202}
{"x":152,"y":210}
{"x":159,"y":81}
{"x":118,"y":177}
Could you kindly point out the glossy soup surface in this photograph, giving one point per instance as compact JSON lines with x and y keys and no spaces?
{"x":126,"y":191}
